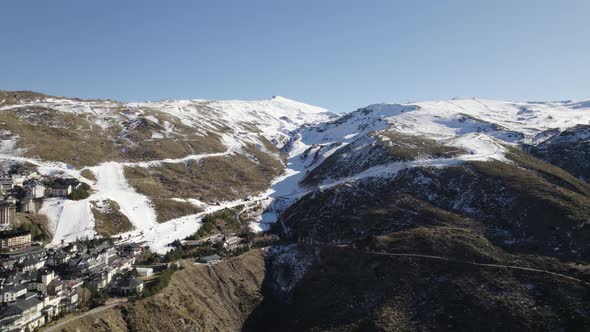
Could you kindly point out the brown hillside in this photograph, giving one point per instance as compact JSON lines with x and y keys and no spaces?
{"x":199,"y":298}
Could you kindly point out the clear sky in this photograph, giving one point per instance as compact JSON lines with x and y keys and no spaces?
{"x":338,"y":54}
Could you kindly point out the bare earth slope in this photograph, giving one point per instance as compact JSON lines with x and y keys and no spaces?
{"x":199,"y":298}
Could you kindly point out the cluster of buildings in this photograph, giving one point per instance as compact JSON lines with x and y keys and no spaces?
{"x":38,"y":284}
{"x":96,"y":265}
{"x":20,"y":193}
{"x":31,"y":292}
{"x":25,"y":192}
{"x":230,"y":242}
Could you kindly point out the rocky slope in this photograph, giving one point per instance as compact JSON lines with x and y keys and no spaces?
{"x":521,"y":206}
{"x":497,"y":238}
{"x":363,"y":289}
{"x":199,"y":298}
{"x":569,"y":150}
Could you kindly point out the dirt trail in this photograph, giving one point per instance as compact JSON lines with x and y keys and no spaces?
{"x":513,"y":267}
{"x":91,"y":312}
{"x":451,"y":260}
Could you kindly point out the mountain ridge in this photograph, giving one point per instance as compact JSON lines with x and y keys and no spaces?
{"x":294,"y":139}
{"x":496,"y":191}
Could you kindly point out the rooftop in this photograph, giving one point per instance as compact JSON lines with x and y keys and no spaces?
{"x":13,"y":233}
{"x":27,"y":304}
{"x":129,"y":282}
{"x":14,"y":288}
{"x":211,"y":258}
{"x":10,"y":311}
{"x":6,"y":204}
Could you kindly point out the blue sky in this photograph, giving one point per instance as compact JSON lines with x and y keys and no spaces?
{"x":338,"y":54}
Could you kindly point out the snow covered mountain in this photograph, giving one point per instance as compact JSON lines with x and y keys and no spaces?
{"x":444,"y":154}
{"x":166,"y":164}
{"x":481,"y":127}
{"x":106,"y":143}
{"x":465,"y":214}
{"x":381,"y":139}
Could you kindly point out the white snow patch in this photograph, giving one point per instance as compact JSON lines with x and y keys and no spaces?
{"x":157,"y":135}
{"x":153,"y":119}
{"x":159,"y":236}
{"x":195,"y":157}
{"x":71,"y":220}
{"x":111,"y":184}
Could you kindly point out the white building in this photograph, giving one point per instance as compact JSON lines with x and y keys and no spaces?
{"x":10,"y":293}
{"x":59,"y":190}
{"x":18,"y":180}
{"x":233,"y":243}
{"x":37,"y":189}
{"x":5,"y":184}
{"x":26,"y":313}
{"x":144,"y":271}
{"x":43,"y":280}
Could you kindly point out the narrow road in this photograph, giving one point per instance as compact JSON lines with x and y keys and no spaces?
{"x":451,"y":260}
{"x":481,"y":264}
{"x":57,"y":326}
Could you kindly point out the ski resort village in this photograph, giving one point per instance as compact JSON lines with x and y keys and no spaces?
{"x":42,"y":281}
{"x":39,"y":283}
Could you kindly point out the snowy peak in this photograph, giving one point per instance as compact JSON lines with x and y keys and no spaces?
{"x":381,"y":139}
{"x":455,"y":121}
{"x":273,"y":119}
{"x":303,"y":107}
{"x":528,"y":118}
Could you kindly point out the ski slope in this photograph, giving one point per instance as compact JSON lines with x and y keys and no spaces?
{"x":111,"y":184}
{"x":159,"y":236}
{"x":236,"y":123}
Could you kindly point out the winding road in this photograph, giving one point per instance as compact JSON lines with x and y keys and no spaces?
{"x":451,"y":260}
{"x":512,"y":267}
